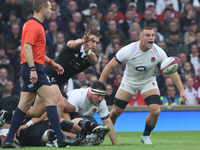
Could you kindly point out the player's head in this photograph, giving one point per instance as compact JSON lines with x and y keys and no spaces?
{"x":147,"y":37}
{"x":43,"y":7}
{"x":96,"y":37}
{"x":96,"y":93}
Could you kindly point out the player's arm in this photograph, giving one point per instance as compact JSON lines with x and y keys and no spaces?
{"x":68,"y":107}
{"x":28,"y":54}
{"x":111,"y":134}
{"x":59,"y":69}
{"x":177,"y":81}
{"x":108,"y":69}
{"x":75,"y":44}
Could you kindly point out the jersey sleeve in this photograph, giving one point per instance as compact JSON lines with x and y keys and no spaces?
{"x":103,"y":111}
{"x":162,"y":54}
{"x":74,"y":97}
{"x":31,"y":34}
{"x":122,"y":55}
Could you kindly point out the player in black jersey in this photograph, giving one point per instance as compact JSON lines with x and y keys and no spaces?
{"x":77,"y":56}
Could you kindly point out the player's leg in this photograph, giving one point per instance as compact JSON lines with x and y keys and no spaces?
{"x":48,"y":96}
{"x":121,"y":100}
{"x":26,"y":99}
{"x":60,"y":99}
{"x":37,"y":109}
{"x":152,"y":99}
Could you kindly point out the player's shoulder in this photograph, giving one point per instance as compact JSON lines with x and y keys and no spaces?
{"x":157,"y":49}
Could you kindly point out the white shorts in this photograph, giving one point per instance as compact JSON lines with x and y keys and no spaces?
{"x":131,"y":88}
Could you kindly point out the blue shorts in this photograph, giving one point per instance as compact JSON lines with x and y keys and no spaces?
{"x":42,"y":78}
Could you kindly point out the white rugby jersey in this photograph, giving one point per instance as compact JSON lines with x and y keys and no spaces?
{"x":140,"y":65}
{"x":78,"y":97}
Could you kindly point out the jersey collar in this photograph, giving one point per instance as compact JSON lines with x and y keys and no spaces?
{"x":35,"y":19}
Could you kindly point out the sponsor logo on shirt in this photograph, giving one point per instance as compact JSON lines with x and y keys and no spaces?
{"x":30,"y":86}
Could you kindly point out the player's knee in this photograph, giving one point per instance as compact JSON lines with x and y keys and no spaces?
{"x":153,"y":99}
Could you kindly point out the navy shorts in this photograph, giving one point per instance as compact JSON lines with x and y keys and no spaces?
{"x":42,"y":78}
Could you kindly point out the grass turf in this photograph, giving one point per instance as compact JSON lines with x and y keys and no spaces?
{"x":131,"y":141}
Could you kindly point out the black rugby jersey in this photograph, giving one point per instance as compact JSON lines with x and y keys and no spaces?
{"x":73,"y":61}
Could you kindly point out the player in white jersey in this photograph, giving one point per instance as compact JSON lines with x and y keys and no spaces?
{"x":88,"y":102}
{"x":141,"y":59}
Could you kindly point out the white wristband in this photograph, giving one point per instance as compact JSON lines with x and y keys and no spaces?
{"x":29,"y":123}
{"x":77,"y":109}
{"x":88,"y":52}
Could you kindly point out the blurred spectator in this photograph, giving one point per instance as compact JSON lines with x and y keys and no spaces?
{"x":116,"y":48}
{"x":77,"y":18}
{"x":162,"y":45}
{"x":100,"y":66}
{"x":194,"y":57}
{"x":93,"y":14}
{"x":60,"y":38}
{"x":8,"y":90}
{"x":94,"y":25}
{"x":175,"y":45}
{"x":197,"y":80}
{"x":187,"y":6}
{"x":158,"y":36}
{"x":167,"y":19}
{"x":51,"y":38}
{"x":137,"y":100}
{"x":148,"y":19}
{"x":2,"y":51}
{"x":26,"y":9}
{"x":114,"y":39}
{"x":5,"y":63}
{"x":59,"y":47}
{"x":68,"y":15}
{"x":112,"y":26}
{"x":185,"y":21}
{"x":189,"y":35}
{"x":188,"y":72}
{"x":99,"y":50}
{"x":110,"y":95}
{"x":11,"y":5}
{"x":173,"y":27}
{"x":183,"y":58}
{"x":81,"y":80}
{"x":197,"y":39}
{"x":135,"y":26}
{"x":117,"y":81}
{"x":118,"y":16}
{"x":162,"y":4}
{"x":92,"y":79}
{"x":54,"y":17}
{"x":3,"y":78}
{"x":168,"y":82}
{"x":64,"y":7}
{"x":14,"y":36}
{"x":125,"y":26}
{"x":55,"y":7}
{"x":73,"y":33}
{"x":171,"y":98}
{"x":88,"y":74}
{"x":133,"y":37}
{"x":191,"y":92}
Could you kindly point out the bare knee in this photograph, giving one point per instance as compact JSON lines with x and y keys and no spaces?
{"x":115,"y":113}
{"x":155,"y":111}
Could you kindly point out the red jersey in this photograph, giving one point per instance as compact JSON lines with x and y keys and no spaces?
{"x":33,"y":33}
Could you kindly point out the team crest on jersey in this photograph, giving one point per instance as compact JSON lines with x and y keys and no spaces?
{"x":153,"y":59}
{"x":94,"y":110}
{"x":153,"y":83}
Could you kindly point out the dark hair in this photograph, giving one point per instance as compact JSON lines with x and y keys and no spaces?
{"x":96,"y":33}
{"x":39,"y":4}
{"x":98,"y":85}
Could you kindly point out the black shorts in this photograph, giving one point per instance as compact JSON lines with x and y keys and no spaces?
{"x":42,"y":78}
{"x":77,"y":115}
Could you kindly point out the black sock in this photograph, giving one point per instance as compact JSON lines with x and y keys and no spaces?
{"x":148,"y":130}
{"x":66,"y":125}
{"x":87,"y":125}
{"x":52,"y":135}
{"x":82,"y":134}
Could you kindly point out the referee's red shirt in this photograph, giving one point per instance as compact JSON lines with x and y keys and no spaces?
{"x":34,"y":34}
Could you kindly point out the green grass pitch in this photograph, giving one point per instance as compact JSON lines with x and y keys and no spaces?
{"x":131,"y":141}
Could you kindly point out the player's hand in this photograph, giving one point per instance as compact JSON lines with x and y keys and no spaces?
{"x":33,"y":77}
{"x":22,"y":128}
{"x":86,"y":38}
{"x":59,"y":69}
{"x":184,"y":97}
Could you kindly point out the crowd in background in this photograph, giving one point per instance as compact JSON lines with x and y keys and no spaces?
{"x":176,"y":24}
